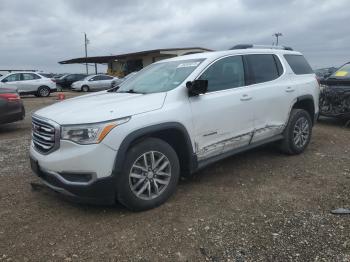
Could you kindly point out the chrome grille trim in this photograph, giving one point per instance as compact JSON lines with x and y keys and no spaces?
{"x":45,"y":135}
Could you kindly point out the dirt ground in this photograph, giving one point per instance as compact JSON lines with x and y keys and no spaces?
{"x":257,"y":206}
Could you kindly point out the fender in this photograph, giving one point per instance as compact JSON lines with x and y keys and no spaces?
{"x":300,"y":99}
{"x":149,"y":130}
{"x":305,"y":97}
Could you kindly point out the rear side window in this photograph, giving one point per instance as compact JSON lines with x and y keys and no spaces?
{"x":262,"y":68}
{"x":106,"y":77}
{"x":26,"y":76}
{"x":299,"y":64}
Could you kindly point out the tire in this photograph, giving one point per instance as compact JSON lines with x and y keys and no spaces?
{"x":85,"y":88}
{"x":299,"y":120}
{"x":139,"y":179}
{"x":43,"y":91}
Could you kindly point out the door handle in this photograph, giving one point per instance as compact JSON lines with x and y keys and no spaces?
{"x":290,"y":89}
{"x":246,"y":97}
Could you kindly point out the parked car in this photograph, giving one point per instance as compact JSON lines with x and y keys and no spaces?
{"x":118,"y":81}
{"x":11,"y":106}
{"x":94,"y":83}
{"x":335,"y":94}
{"x":29,"y":83}
{"x":66,"y":81}
{"x":174,"y":117}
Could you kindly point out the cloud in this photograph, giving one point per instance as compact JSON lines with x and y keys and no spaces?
{"x":38,"y":34}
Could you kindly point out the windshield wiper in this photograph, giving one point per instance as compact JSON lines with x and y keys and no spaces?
{"x":131,"y":91}
{"x":113,"y":89}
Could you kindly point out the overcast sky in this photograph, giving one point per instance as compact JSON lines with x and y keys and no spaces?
{"x":37,"y":34}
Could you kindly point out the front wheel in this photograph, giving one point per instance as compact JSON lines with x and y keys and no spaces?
{"x":85,"y":88}
{"x":150,"y":175}
{"x":297,"y":134}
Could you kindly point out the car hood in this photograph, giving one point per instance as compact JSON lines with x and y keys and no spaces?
{"x":101,"y":106}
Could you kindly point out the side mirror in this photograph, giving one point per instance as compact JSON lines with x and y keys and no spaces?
{"x":4,"y":80}
{"x":197,"y":87}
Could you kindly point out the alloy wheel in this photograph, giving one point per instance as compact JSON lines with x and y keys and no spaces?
{"x":44,"y":92}
{"x":301,"y":132}
{"x":150,"y":175}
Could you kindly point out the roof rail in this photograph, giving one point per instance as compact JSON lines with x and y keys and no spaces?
{"x":246,"y":46}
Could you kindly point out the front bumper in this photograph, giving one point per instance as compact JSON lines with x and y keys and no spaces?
{"x":76,"y":88}
{"x":100,"y":191}
{"x":82,"y":172}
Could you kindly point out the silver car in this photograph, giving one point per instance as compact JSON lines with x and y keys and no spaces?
{"x":29,"y":83}
{"x":94,"y":83}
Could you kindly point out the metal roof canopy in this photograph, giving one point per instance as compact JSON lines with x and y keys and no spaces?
{"x":107,"y":59}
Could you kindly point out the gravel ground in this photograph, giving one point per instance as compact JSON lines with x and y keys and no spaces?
{"x":257,"y":206}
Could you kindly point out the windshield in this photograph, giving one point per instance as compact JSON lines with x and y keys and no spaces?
{"x":160,"y":77}
{"x":344,"y":71}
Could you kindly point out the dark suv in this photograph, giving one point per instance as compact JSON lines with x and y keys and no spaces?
{"x":66,"y":80}
{"x":335,"y":94}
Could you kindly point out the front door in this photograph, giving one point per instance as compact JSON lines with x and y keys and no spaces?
{"x":223,"y":117}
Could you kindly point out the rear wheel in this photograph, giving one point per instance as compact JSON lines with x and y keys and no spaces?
{"x":43,"y":91}
{"x":150,"y":175}
{"x":297,"y":134}
{"x":85,"y":88}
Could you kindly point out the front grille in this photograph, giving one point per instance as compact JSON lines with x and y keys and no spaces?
{"x":45,"y":135}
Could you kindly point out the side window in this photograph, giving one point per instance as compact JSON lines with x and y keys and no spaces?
{"x":225,"y":74}
{"x":70,"y":78}
{"x":14,"y":77}
{"x":299,"y":64}
{"x":96,"y":78}
{"x":27,"y":76}
{"x":107,"y":78}
{"x":262,"y":68}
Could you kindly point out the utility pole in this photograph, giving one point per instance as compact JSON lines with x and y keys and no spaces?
{"x":277,"y":35}
{"x":86,"y":41}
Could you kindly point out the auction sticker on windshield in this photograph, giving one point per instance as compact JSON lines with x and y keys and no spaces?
{"x":190,"y":64}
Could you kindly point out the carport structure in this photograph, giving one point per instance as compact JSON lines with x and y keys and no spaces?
{"x":123,"y":64}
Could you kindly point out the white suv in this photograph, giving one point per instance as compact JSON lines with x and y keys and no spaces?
{"x":174,"y":117}
{"x":29,"y":83}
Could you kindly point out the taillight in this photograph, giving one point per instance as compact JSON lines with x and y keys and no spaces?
{"x":10,"y":97}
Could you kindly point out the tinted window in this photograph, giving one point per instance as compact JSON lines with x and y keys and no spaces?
{"x":262,"y":68}
{"x":97,"y":78}
{"x":224,"y":74}
{"x":70,"y":77}
{"x":106,"y":78}
{"x":12,"y":78}
{"x":29,"y":76}
{"x":298,"y":64}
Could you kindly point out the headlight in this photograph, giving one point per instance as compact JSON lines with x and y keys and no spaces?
{"x":90,"y":133}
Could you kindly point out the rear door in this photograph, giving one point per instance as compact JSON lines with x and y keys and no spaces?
{"x":29,"y":82}
{"x":273,"y":93}
{"x":222,"y":117}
